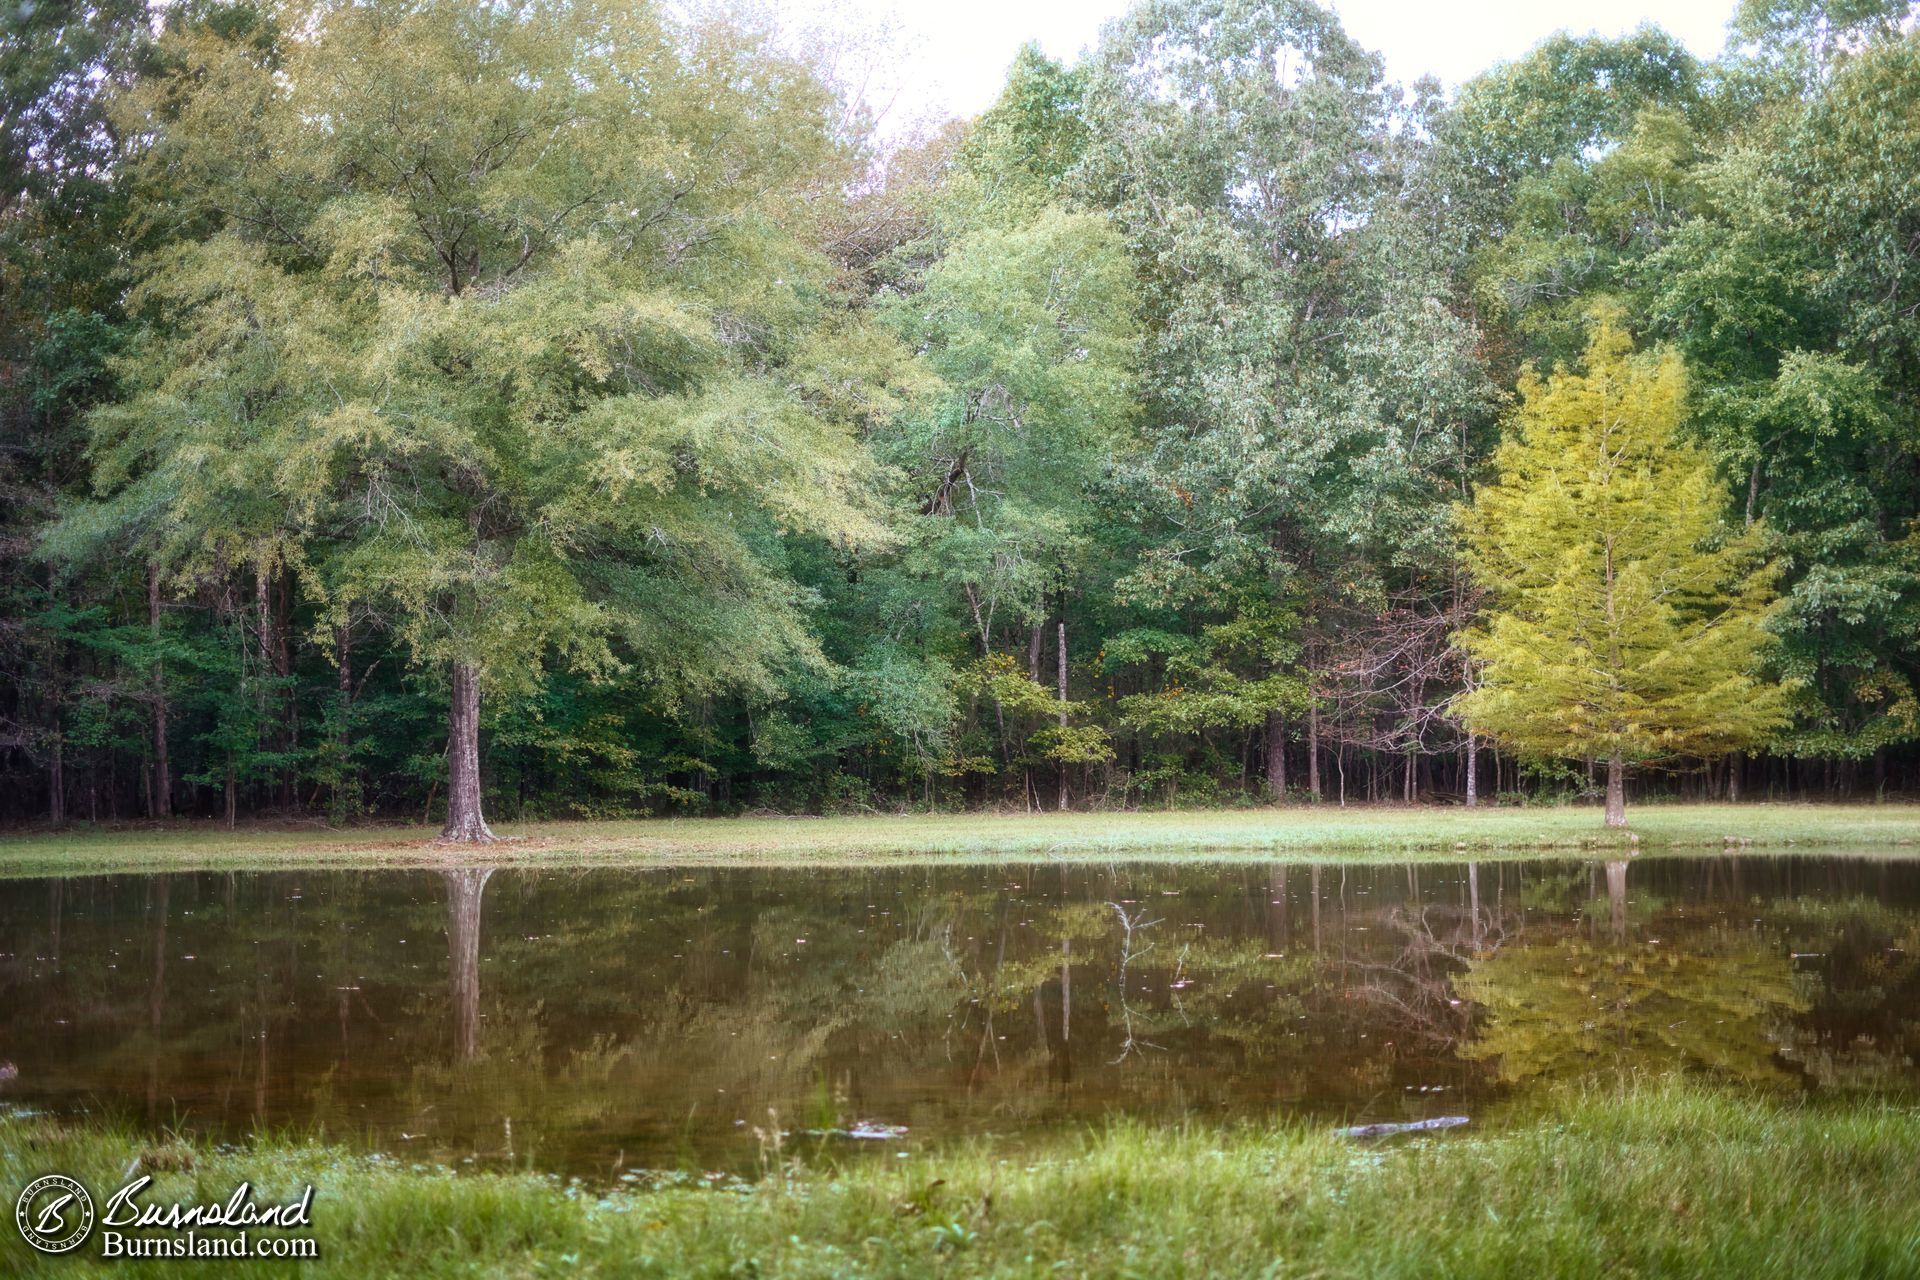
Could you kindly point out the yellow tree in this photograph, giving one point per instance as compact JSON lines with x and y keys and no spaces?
{"x":1626,"y":621}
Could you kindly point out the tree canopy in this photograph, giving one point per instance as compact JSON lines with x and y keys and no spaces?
{"x":1624,"y":622}
{"x":584,"y":408}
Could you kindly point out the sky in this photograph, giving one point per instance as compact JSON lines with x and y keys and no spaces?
{"x":933,"y":58}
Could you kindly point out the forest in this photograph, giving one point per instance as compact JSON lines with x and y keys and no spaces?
{"x":586,"y":408}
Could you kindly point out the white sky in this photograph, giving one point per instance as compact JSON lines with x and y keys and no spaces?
{"x":948,"y":57}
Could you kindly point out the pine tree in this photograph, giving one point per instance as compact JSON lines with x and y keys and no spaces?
{"x":1626,"y":622}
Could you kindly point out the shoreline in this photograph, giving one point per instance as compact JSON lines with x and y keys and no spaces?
{"x":1295,"y":833}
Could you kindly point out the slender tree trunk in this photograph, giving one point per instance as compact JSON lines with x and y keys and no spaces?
{"x":263,"y":648}
{"x":1415,"y":700}
{"x":1313,"y":751}
{"x":1063,"y":708}
{"x":983,"y":624}
{"x":289,"y":703}
{"x":343,"y":789}
{"x":57,"y":782}
{"x":162,"y":770}
{"x":1277,"y":757}
{"x":1033,"y":651}
{"x":1616,"y":790}
{"x":1473,"y":771}
{"x":232,"y":799}
{"x":465,"y":825}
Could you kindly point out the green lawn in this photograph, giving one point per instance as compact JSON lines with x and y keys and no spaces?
{"x":1662,"y":1179}
{"x":1297,"y":832}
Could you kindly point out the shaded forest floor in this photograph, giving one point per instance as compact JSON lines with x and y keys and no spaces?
{"x":1661,"y":1178}
{"x":1435,"y":833}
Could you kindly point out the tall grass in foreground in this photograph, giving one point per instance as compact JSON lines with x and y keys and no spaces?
{"x":1661,"y":1179}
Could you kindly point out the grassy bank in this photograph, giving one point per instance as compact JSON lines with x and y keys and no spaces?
{"x":1665,"y":1179}
{"x":1303,"y":832}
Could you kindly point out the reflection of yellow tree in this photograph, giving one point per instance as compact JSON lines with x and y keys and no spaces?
{"x":1569,"y":1007}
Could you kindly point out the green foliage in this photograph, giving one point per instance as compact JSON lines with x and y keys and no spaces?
{"x":467,"y":380}
{"x":600,"y":350}
{"x":1018,"y":155}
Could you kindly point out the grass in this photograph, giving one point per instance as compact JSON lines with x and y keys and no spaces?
{"x":1662,"y":1178}
{"x":1438,"y":833}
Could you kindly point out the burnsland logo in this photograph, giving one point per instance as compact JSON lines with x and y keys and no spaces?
{"x":55,"y":1215}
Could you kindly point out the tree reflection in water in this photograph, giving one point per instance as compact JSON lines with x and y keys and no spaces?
{"x":651,"y":1016}
{"x":1558,"y":1003}
{"x":464,"y":889}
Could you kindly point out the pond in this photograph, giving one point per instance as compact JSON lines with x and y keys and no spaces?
{"x":601,"y":1021}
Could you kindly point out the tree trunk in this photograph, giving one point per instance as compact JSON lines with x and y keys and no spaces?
{"x":1473,"y":771}
{"x":1063,"y":710}
{"x":1734,"y":762}
{"x":1277,"y":757}
{"x":162,"y":771}
{"x":465,"y":825}
{"x":289,"y":703}
{"x":263,"y":649}
{"x":1616,"y":790}
{"x":1313,"y":751}
{"x":343,"y":788}
{"x":57,"y":782}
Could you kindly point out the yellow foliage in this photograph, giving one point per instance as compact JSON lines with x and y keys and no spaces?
{"x":1626,"y":617}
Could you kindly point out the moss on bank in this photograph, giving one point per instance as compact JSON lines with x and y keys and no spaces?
{"x":1661,"y":1179}
{"x":1433,"y":833}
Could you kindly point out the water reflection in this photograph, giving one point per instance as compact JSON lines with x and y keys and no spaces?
{"x":590,"y":1020}
{"x":464,"y":888}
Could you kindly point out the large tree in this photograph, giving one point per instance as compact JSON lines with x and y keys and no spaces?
{"x":498,"y":323}
{"x":1628,"y":623}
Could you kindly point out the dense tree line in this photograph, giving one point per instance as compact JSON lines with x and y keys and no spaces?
{"x":573,"y":405}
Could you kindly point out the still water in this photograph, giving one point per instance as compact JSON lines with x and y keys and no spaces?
{"x":595,"y":1021}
